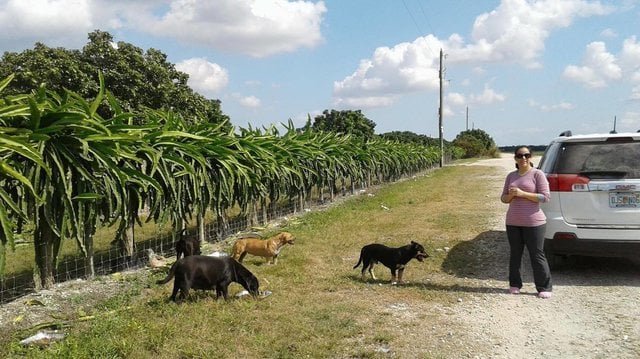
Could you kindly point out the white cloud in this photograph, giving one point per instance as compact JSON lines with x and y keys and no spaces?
{"x":599,"y":67}
{"x":301,"y":119}
{"x":635,"y":93}
{"x":562,"y":106}
{"x":609,"y":33}
{"x":406,"y":67}
{"x":629,"y":121}
{"x":487,"y":97}
{"x":364,"y":102}
{"x":479,"y":71}
{"x":253,"y":83}
{"x":255,"y":27}
{"x":559,"y":106}
{"x":514,"y":32}
{"x":247,"y":101}
{"x":630,"y":63}
{"x":55,"y":22}
{"x":455,"y":99}
{"x":205,"y":77}
{"x":447,"y":111}
{"x":250,"y":101}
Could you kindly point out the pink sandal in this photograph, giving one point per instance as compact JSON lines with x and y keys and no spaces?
{"x":545,"y":295}
{"x":514,"y":290}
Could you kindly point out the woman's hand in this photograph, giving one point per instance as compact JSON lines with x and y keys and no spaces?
{"x":507,"y":198}
{"x":516,"y":192}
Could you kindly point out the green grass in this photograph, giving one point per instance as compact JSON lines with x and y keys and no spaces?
{"x":319,"y":307}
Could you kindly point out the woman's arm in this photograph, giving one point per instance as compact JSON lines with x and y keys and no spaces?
{"x":533,"y":197}
{"x":506,"y":198}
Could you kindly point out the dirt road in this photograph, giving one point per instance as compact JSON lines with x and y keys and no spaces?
{"x":594,"y":313}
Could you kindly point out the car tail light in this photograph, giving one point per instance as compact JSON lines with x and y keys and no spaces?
{"x":567,"y":183}
{"x":565,"y":236}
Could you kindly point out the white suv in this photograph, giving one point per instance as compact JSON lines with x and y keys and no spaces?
{"x":595,"y":196}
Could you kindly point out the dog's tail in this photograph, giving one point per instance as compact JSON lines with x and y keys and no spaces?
{"x":359,"y":261}
{"x":170,"y":275}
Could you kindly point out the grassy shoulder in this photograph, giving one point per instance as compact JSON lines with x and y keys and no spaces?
{"x":319,"y":308}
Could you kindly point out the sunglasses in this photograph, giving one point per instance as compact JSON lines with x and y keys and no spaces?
{"x":523,"y":155}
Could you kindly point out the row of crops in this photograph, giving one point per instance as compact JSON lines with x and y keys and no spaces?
{"x":67,"y":171}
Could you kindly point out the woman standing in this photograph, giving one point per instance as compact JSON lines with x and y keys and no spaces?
{"x":524,"y":190}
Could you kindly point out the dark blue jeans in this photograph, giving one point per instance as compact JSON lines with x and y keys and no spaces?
{"x":533,"y":239}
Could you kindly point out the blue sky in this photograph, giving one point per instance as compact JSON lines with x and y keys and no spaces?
{"x":525,"y":70}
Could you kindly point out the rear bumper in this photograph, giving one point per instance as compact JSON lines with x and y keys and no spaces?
{"x":593,"y":247}
{"x":598,"y":242}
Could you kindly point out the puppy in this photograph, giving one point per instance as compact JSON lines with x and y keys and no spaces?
{"x":204,"y":272}
{"x":268,"y":248}
{"x":187,"y":246}
{"x":393,"y":258}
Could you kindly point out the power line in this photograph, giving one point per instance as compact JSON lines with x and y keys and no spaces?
{"x":412,"y":18}
{"x":420,"y":31}
{"x":424,"y":14}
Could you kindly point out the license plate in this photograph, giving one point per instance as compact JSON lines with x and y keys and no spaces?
{"x":624,"y":199}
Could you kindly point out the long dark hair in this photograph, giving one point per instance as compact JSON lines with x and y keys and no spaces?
{"x":516,"y":152}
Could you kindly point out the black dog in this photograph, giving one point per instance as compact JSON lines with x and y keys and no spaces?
{"x":393,"y":258}
{"x":187,"y":246}
{"x":203,"y":272}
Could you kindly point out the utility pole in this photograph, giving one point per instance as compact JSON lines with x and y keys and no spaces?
{"x":440,"y":116}
{"x":467,"y":118}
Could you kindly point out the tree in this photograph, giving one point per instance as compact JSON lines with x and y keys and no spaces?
{"x":411,"y":137}
{"x":137,"y":79}
{"x":345,"y":122}
{"x":476,"y":143}
{"x":57,"y":68}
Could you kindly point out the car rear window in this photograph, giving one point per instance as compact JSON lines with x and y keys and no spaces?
{"x":600,"y":160}
{"x":549,"y":157}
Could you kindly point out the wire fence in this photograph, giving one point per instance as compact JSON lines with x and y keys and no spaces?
{"x":74,"y":265}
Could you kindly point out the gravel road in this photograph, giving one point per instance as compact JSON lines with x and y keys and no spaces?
{"x":594,"y":313}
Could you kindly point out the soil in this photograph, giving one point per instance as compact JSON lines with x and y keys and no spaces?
{"x":593,"y":313}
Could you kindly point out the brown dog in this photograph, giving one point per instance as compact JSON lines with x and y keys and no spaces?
{"x":268,"y":248}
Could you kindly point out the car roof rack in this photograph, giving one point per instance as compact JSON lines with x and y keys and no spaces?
{"x":566,"y":133}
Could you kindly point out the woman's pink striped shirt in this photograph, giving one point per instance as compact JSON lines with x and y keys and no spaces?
{"x":523,"y":212}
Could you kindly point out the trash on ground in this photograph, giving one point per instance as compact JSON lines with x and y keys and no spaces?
{"x":43,"y":338}
{"x":261,"y":294}
{"x":218,"y":254}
